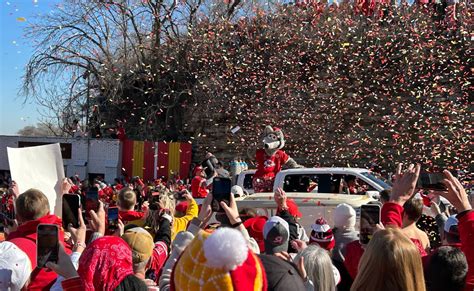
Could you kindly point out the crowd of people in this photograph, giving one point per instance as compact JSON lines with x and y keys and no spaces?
{"x":166,"y":241}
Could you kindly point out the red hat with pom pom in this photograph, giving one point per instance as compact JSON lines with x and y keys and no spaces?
{"x":321,"y":234}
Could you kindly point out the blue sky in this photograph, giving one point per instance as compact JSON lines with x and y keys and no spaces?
{"x":14,"y":54}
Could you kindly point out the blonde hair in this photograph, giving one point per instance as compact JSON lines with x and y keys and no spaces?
{"x":166,"y":200}
{"x":391,"y":262}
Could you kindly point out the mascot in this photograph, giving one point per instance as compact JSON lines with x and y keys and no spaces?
{"x":270,"y":160}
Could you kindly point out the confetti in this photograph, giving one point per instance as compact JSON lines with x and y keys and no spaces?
{"x":345,"y":88}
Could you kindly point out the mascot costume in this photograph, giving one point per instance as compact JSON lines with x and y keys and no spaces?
{"x":270,"y":160}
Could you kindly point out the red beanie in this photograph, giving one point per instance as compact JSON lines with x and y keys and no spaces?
{"x":321,"y":234}
{"x":254,"y":227}
{"x":292,"y":208}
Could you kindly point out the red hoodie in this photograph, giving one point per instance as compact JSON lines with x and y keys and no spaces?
{"x":25,"y":238}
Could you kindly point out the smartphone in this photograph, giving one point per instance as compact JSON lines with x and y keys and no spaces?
{"x":369,"y":217}
{"x":5,"y":219}
{"x":221,"y":188}
{"x":47,"y":244}
{"x":431,"y":181}
{"x":71,"y":205}
{"x":112,"y":218}
{"x":92,"y":201}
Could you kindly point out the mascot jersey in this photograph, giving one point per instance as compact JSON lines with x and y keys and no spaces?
{"x":269,"y":166}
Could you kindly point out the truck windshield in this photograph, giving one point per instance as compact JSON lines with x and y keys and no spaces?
{"x":379,"y":180}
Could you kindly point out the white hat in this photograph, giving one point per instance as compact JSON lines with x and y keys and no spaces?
{"x":344,"y":216}
{"x":237,"y":191}
{"x":15,"y":267}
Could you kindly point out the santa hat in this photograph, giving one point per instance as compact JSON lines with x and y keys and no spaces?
{"x":321,"y":234}
{"x":292,"y":208}
{"x":218,"y":261}
{"x":344,"y":216}
{"x":254,"y":227}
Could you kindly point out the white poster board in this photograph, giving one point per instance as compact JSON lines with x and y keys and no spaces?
{"x":39,"y":167}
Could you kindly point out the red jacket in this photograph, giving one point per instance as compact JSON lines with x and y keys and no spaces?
{"x":25,"y":238}
{"x":466,"y":233}
{"x":158,"y":259}
{"x":354,"y":252}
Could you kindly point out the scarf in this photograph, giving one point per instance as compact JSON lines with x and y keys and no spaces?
{"x":105,"y":263}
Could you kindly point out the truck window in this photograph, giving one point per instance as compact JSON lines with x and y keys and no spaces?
{"x":351,"y":184}
{"x":248,"y":181}
{"x":324,"y":183}
{"x":307,"y":183}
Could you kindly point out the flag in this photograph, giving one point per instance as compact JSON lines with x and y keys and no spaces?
{"x":150,"y":160}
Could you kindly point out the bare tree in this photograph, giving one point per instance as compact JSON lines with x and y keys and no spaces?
{"x":41,"y":129}
{"x":104,"y":61}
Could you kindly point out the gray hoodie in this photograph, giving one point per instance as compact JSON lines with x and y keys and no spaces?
{"x":343,"y":236}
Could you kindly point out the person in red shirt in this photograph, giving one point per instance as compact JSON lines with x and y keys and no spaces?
{"x":32,"y":208}
{"x":199,"y":183}
{"x":126,"y":203}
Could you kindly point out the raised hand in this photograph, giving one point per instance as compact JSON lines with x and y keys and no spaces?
{"x":405,"y":183}
{"x":231,"y":210}
{"x":456,"y":193}
{"x":97,"y":221}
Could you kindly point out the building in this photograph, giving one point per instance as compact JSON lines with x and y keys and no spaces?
{"x":84,"y":157}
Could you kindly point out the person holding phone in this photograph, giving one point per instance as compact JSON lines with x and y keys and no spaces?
{"x":199,"y":184}
{"x":32,"y":209}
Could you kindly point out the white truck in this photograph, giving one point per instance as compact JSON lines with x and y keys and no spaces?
{"x":316,"y":191}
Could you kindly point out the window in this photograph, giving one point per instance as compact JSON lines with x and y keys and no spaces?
{"x":315,"y":183}
{"x":325,"y":183}
{"x":248,"y":181}
{"x":379,"y":180}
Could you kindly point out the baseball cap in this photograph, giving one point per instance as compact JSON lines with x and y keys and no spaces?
{"x":141,"y":243}
{"x":237,"y":191}
{"x":182,"y":206}
{"x":276,"y":235}
{"x":197,"y":169}
{"x":15,"y":267}
{"x":451,"y":225}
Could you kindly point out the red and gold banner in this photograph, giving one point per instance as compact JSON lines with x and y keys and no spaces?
{"x":151,"y":160}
